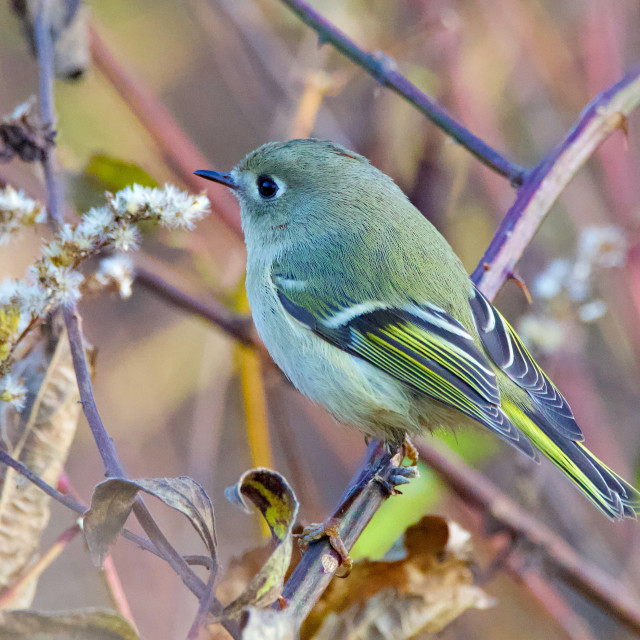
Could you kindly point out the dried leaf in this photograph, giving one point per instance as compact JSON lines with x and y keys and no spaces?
{"x":113,"y":499}
{"x":266,"y":624}
{"x":275,"y":500}
{"x":23,"y":134}
{"x":395,"y":599}
{"x":87,"y":624}
{"x":40,"y":437}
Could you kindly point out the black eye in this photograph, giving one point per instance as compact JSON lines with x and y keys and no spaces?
{"x":267,"y":187}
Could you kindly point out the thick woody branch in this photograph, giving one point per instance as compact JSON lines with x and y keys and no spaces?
{"x":382,"y":69}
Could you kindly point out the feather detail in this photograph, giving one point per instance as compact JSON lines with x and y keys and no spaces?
{"x":613,"y":496}
{"x":507,"y":351}
{"x":423,"y":347}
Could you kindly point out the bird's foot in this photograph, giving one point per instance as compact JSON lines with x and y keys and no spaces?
{"x":327,"y":529}
{"x":396,"y":476}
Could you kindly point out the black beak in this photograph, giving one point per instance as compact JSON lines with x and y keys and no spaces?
{"x":217,"y":176}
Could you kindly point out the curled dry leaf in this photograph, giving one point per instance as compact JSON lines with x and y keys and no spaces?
{"x":274,"y":498}
{"x":395,"y":599}
{"x":40,"y":437}
{"x":113,"y":499}
{"x":23,"y":134}
{"x":87,"y":624}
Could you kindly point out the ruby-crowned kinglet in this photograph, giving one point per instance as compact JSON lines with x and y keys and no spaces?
{"x":369,"y":312}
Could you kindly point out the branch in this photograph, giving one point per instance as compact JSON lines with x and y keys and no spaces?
{"x":115,"y":469}
{"x":382,"y":69}
{"x":358,"y":504}
{"x":237,"y":326}
{"x":24,"y":471}
{"x":542,"y":186}
{"x":559,"y":557}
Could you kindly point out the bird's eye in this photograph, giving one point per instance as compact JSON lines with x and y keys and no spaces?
{"x":267,"y":187}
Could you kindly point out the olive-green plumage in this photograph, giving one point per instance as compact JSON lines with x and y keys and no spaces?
{"x":366,"y":308}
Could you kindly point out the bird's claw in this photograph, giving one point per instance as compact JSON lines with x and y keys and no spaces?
{"x":397,"y":476}
{"x":327,"y":529}
{"x":410,"y":452}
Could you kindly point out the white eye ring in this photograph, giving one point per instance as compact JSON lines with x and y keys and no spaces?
{"x":269,"y":187}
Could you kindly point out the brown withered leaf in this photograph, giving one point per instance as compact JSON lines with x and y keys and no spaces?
{"x":277,"y":503}
{"x":22,"y":133}
{"x":40,"y":437}
{"x":86,"y":624}
{"x":113,"y":499}
{"x":396,"y":599}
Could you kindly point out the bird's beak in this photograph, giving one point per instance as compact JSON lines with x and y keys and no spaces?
{"x":216,"y":176}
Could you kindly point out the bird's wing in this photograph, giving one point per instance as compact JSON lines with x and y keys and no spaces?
{"x":420,"y":345}
{"x":507,"y":351}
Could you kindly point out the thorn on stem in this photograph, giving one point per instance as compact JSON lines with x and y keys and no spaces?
{"x":521,"y":283}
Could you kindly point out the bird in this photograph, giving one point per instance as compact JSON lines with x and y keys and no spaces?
{"x":368,"y":311}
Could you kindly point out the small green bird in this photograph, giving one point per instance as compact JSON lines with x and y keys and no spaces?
{"x":369,"y":312}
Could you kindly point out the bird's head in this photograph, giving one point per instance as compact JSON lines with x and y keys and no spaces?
{"x":303,"y":186}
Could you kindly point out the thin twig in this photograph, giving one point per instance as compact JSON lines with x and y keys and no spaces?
{"x":558,"y":557}
{"x":24,"y":471}
{"x":550,"y":598}
{"x":236,"y":325}
{"x":47,"y":558}
{"x":114,"y":467}
{"x":116,"y":591}
{"x":382,"y":69}
{"x":68,"y":501}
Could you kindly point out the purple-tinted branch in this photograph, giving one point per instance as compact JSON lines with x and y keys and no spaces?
{"x":382,"y":68}
{"x":542,"y":186}
{"x":356,"y":507}
{"x":115,"y":469}
{"x":558,"y":557}
{"x":69,"y":502}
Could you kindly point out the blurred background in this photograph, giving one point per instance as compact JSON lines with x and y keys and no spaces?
{"x":179,"y":397}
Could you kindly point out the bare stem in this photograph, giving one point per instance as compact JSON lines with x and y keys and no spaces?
{"x":72,"y":320}
{"x":382,"y":69}
{"x":24,"y":471}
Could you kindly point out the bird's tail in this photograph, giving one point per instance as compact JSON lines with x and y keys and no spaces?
{"x":612,"y":495}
